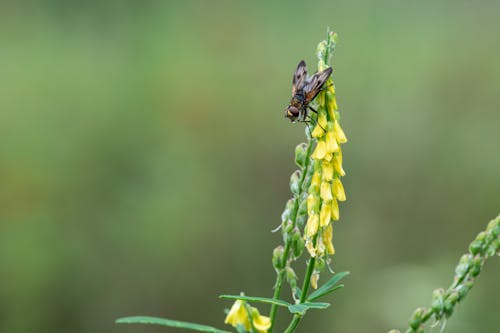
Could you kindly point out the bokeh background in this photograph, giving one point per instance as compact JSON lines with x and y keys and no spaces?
{"x":144,"y":157}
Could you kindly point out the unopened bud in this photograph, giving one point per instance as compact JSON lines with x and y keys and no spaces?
{"x":285,"y":216}
{"x":437,"y":301}
{"x":295,"y":182}
{"x":301,"y":154}
{"x":477,"y":244}
{"x":477,"y":263}
{"x":463,"y":265}
{"x":291,"y":277}
{"x":416,"y":318}
{"x":278,"y":257}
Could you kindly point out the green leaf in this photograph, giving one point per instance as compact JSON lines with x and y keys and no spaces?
{"x":301,"y":308}
{"x":275,"y":301}
{"x":328,"y":287}
{"x":168,"y":322}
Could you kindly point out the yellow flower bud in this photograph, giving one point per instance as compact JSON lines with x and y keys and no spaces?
{"x":320,"y":150}
{"x":314,"y":280}
{"x":327,"y":171}
{"x":312,"y":225}
{"x":335,"y":210}
{"x":326,"y":191}
{"x":339,"y":133}
{"x":325,"y":214}
{"x":331,"y":142}
{"x":338,"y":189}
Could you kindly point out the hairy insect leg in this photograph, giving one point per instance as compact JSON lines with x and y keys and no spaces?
{"x":316,"y":122}
{"x":312,"y":109}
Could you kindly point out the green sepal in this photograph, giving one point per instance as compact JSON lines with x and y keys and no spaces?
{"x":328,"y":287}
{"x":275,"y":301}
{"x":301,"y":308}
{"x":168,"y":322}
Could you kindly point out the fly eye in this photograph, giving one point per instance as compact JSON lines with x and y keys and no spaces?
{"x":294,"y":111}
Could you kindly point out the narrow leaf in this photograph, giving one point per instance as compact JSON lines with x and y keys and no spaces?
{"x":168,"y":322}
{"x":275,"y":301}
{"x":329,"y":291}
{"x":301,"y":308}
{"x":328,"y":287}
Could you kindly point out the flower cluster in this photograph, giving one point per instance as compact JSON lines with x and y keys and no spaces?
{"x":325,"y":189}
{"x":248,"y":317}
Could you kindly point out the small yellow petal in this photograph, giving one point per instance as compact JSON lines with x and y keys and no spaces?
{"x":331,"y":142}
{"x":320,"y":150}
{"x":322,"y":119}
{"x":337,"y":164}
{"x":326,"y":191}
{"x":335,"y":210}
{"x":317,"y":131}
{"x":338,"y":189}
{"x":339,"y":133}
{"x":312,"y":204}
{"x":316,"y":178}
{"x":312,"y":225}
{"x":325,"y":214}
{"x":238,"y":315}
{"x":327,"y":239}
{"x":327,"y":171}
{"x":261,"y":323}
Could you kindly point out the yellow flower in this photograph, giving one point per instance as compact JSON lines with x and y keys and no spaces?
{"x":312,"y":203}
{"x":312,"y":225}
{"x":316,"y":178}
{"x":320,"y":150}
{"x":326,"y":191}
{"x":327,"y":171}
{"x":337,"y":163}
{"x":261,"y":323}
{"x":338,"y":189}
{"x":327,"y":239}
{"x":325,"y":214}
{"x":339,"y":133}
{"x":335,"y":210}
{"x":331,"y":142}
{"x":319,"y":129}
{"x":238,"y":315}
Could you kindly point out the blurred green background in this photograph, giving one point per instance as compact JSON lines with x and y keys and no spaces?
{"x":144,"y":157}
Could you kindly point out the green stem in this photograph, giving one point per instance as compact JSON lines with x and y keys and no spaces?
{"x":286,"y":252}
{"x":303,"y":296}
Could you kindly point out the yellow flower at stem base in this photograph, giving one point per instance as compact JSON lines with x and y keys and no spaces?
{"x":238,"y":315}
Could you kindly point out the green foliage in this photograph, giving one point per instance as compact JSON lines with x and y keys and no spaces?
{"x":168,"y":322}
{"x":257,"y":299}
{"x":328,"y":287}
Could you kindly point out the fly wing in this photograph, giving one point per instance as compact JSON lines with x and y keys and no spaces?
{"x":314,"y":85}
{"x":299,"y":77}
